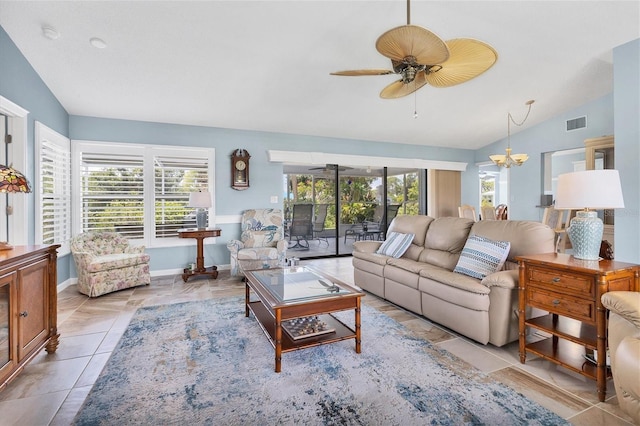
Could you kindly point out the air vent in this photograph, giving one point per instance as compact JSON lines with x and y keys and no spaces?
{"x":576,"y":123}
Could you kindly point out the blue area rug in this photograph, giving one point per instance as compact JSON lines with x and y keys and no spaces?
{"x":204,"y":363}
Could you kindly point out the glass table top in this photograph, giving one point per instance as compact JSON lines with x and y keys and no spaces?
{"x":297,"y":283}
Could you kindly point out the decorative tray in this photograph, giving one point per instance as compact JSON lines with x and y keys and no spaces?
{"x":300,"y":328}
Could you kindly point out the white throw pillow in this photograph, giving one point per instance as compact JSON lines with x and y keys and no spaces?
{"x":396,"y":244}
{"x":482,"y":256}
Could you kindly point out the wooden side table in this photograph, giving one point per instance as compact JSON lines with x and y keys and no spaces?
{"x":570,"y":290}
{"x":199,"y":234}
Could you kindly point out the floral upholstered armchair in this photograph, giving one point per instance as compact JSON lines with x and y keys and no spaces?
{"x":261,"y":244}
{"x":106,"y":262}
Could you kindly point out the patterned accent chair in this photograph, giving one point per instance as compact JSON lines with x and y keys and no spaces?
{"x":261,"y":245}
{"x":106,"y":262}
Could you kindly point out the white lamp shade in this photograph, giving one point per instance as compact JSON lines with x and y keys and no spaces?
{"x":590,"y":189}
{"x":200,"y":199}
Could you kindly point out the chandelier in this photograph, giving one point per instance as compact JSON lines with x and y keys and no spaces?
{"x":507,"y":160}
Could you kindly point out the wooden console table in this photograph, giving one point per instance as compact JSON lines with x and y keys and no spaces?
{"x":569,"y":289}
{"x":28,"y":307}
{"x":199,"y":234}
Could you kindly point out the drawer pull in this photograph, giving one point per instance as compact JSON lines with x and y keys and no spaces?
{"x":556,"y":280}
{"x":24,"y":314}
{"x":556,"y":302}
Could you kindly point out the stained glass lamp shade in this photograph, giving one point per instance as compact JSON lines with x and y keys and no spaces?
{"x":12,"y":180}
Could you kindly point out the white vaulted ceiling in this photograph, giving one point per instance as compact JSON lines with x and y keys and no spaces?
{"x":264,"y":65}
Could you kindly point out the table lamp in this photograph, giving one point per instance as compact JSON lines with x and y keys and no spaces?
{"x":201,"y":200}
{"x":589,"y":190}
{"x":11,"y":181}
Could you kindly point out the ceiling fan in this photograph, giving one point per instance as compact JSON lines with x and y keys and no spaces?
{"x":420,"y":57}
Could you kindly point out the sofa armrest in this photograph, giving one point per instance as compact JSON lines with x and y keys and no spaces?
{"x":82,"y":258}
{"x":282,"y":245}
{"x":134,"y":249}
{"x":626,"y":359}
{"x":367,"y":246}
{"x":235,"y":245}
{"x":624,"y":303}
{"x":503,"y":279}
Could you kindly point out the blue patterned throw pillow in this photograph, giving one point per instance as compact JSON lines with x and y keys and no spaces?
{"x":482,"y":256}
{"x":396,"y":244}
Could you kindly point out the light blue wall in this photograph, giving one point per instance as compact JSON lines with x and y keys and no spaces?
{"x":551,"y":135}
{"x":266,"y":177}
{"x":22,"y":85}
{"x":626,"y":93}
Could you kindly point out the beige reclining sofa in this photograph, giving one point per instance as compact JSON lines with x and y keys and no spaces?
{"x":422,"y":279}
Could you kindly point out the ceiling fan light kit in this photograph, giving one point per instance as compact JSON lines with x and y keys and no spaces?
{"x":420,"y":57}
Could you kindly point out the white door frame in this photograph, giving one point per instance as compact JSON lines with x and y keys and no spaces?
{"x":17,"y":128}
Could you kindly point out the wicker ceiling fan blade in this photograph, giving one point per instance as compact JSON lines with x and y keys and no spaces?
{"x":398,"y":89}
{"x":469,"y":58}
{"x":412,"y":40}
{"x":363,"y":72}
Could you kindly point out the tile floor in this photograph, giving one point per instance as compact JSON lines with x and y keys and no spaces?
{"x":52,"y":387}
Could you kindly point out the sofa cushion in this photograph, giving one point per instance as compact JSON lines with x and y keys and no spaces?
{"x":268,"y":238}
{"x":412,"y":224}
{"x":409,"y":265}
{"x":451,"y":279}
{"x":375,"y":258}
{"x":482,"y":256}
{"x":396,"y":244}
{"x":526,"y":237}
{"x":446,"y":237}
{"x":116,"y":260}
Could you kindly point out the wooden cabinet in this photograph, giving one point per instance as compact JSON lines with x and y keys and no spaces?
{"x":569,"y":289}
{"x":28,"y":307}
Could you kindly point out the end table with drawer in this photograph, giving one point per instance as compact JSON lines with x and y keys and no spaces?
{"x":569,"y":289}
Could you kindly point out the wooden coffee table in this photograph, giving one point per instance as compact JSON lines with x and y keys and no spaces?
{"x":305,"y":295}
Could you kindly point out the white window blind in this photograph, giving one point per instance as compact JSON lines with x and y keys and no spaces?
{"x":53,"y":188}
{"x":175,"y":178}
{"x":112,"y":193}
{"x":139,"y":191}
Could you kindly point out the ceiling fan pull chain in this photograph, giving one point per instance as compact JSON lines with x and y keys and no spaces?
{"x":415,"y":102}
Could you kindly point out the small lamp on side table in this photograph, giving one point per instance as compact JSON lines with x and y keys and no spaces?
{"x":201,"y":201}
{"x":11,"y":181}
{"x":589,"y":190}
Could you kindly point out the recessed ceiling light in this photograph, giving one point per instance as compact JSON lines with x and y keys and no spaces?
{"x":50,"y":33}
{"x":98,"y":43}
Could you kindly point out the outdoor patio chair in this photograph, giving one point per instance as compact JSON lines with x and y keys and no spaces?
{"x":301,"y":228}
{"x":318,"y":223}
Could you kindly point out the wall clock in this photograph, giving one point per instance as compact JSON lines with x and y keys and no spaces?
{"x":240,"y":169}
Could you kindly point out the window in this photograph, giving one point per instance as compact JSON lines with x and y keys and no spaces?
{"x":175,"y":177}
{"x":139,"y":191}
{"x":52,"y":188}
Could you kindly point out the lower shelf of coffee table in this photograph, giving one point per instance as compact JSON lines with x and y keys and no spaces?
{"x":267,"y":323}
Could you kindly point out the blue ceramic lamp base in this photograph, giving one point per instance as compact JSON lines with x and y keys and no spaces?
{"x":585,"y":234}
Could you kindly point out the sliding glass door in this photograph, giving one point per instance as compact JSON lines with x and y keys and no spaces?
{"x":328,"y":208}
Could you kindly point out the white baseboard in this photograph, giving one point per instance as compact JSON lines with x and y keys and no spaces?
{"x":67,"y":283}
{"x":159,"y":273}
